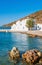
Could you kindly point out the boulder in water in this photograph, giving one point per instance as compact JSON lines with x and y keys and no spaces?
{"x":32,"y":56}
{"x":14,"y":54}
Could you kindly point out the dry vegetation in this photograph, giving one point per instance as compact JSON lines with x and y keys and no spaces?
{"x":36,"y":15}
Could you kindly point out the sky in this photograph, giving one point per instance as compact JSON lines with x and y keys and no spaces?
{"x":11,"y":10}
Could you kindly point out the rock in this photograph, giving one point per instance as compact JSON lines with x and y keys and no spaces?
{"x":32,"y":56}
{"x":40,"y":61}
{"x":14,"y":54}
{"x":31,"y":35}
{"x":38,"y":64}
{"x":39,"y":54}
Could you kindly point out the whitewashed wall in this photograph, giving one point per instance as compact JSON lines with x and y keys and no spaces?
{"x":39,"y":27}
{"x":21,"y":26}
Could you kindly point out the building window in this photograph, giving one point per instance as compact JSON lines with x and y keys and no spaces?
{"x":23,"y":27}
{"x":38,"y":26}
{"x":20,"y":24}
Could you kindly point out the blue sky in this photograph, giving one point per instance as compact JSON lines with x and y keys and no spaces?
{"x":11,"y":10}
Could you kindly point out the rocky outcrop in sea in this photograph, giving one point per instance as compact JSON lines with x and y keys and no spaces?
{"x":30,"y":57}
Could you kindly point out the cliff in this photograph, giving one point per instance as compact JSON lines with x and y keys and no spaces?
{"x":36,"y":15}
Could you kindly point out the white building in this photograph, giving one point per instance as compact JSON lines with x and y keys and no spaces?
{"x":21,"y":26}
{"x":39,"y":26}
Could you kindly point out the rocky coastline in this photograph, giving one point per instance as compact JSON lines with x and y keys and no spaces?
{"x":30,"y":57}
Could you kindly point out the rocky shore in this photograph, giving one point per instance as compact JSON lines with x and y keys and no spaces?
{"x":31,"y":33}
{"x":30,"y":57}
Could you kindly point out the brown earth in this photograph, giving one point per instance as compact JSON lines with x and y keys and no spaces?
{"x":37,"y":16}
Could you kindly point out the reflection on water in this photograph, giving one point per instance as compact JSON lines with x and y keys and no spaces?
{"x":22,"y":41}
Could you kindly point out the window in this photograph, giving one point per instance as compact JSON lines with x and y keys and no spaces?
{"x":38,"y":26}
{"x":20,"y":24}
{"x":23,"y":27}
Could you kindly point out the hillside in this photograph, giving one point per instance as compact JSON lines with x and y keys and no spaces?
{"x":36,"y":15}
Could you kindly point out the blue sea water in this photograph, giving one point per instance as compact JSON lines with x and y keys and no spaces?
{"x":22,"y":41}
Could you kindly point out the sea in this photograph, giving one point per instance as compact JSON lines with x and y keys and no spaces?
{"x":22,"y":41}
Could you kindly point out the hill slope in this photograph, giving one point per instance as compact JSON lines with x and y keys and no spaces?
{"x":36,"y":15}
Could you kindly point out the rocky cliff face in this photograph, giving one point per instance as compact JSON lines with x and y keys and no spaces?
{"x":36,"y":15}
